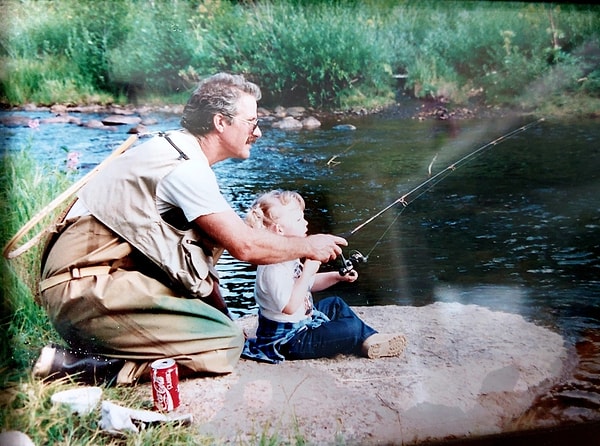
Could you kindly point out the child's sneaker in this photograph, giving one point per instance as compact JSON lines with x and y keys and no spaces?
{"x":380,"y":345}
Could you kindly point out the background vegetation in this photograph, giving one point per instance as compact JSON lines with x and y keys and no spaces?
{"x":329,"y":54}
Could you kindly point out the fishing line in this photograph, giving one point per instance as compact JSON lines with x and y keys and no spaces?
{"x":332,"y":161}
{"x":420,"y":189}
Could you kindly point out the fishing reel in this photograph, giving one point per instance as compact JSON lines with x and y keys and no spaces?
{"x":349,"y":263}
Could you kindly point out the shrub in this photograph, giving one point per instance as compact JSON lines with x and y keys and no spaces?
{"x":158,"y":45}
{"x":316,"y":53}
{"x":300,"y":54}
{"x":96,"y":28}
{"x":45,"y":81}
{"x":56,"y":51}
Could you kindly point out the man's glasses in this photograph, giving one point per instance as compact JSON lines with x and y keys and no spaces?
{"x":253,"y":122}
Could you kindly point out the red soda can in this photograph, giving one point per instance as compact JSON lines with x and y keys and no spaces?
{"x":165,"y":384}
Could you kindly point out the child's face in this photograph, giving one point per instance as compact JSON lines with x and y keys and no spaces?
{"x":290,"y":221}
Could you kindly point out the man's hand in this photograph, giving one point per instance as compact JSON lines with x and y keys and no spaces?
{"x":324,"y":247}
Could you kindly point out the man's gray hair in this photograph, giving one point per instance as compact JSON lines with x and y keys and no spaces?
{"x":216,"y":94}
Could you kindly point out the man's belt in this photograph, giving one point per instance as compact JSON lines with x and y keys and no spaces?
{"x":74,"y":273}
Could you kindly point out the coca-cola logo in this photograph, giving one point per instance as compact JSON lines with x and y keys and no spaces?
{"x":162,"y":396}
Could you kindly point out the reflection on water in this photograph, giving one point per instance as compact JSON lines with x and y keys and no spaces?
{"x":514,"y":230}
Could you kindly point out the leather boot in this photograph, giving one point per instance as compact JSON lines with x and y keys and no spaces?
{"x":55,"y":362}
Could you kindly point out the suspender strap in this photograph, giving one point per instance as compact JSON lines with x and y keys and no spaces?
{"x":181,"y":154}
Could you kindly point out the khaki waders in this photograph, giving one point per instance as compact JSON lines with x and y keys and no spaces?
{"x":98,"y":299}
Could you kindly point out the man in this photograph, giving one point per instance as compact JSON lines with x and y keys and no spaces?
{"x":130,"y":276}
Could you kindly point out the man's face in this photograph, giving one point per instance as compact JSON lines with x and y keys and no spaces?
{"x":243,"y":130}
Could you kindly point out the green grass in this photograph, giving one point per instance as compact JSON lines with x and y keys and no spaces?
{"x":27,"y":407}
{"x":24,"y":187}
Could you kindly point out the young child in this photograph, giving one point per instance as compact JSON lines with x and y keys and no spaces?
{"x":290,"y":326}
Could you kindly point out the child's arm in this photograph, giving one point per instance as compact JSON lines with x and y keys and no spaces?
{"x":301,"y":287}
{"x":325,"y":280}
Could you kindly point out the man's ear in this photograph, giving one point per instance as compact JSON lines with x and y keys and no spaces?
{"x":219,"y":121}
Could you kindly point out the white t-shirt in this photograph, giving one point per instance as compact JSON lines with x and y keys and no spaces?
{"x":273,"y":289}
{"x":191,"y":186}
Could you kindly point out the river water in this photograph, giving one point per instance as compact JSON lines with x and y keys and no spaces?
{"x":515,"y":229}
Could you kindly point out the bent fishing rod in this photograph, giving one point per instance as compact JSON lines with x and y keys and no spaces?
{"x":406,"y":199}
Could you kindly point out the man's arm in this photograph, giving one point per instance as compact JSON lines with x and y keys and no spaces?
{"x":260,"y":246}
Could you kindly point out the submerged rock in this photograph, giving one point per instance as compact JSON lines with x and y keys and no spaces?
{"x":311,"y":123}
{"x":344,"y":127}
{"x":288,"y":123}
{"x":121,"y":120}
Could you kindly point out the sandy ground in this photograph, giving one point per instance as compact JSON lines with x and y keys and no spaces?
{"x":467,"y":371}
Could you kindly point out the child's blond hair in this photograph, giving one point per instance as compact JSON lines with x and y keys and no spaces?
{"x":260,"y":214}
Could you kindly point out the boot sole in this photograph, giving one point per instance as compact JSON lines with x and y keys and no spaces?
{"x":386,"y":348}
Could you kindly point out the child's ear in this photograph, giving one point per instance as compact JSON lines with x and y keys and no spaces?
{"x":279,"y":229}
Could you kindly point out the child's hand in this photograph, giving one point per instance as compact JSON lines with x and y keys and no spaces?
{"x":351,"y":276}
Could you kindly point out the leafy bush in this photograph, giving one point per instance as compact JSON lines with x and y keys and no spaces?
{"x":324,"y":54}
{"x":45,"y":81}
{"x":159,"y":44}
{"x":56,"y":51}
{"x":97,"y":26}
{"x":300,"y":54}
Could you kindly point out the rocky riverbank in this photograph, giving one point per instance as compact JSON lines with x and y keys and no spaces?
{"x":284,"y":118}
{"x":467,"y":372}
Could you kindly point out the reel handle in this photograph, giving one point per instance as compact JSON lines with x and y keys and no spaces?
{"x":349,"y":263}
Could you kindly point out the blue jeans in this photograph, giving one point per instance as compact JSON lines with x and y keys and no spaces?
{"x":344,"y":333}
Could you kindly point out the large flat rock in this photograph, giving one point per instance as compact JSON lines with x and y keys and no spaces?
{"x":467,"y":371}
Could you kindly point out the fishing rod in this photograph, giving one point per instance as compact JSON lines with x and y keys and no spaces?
{"x":406,"y":199}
